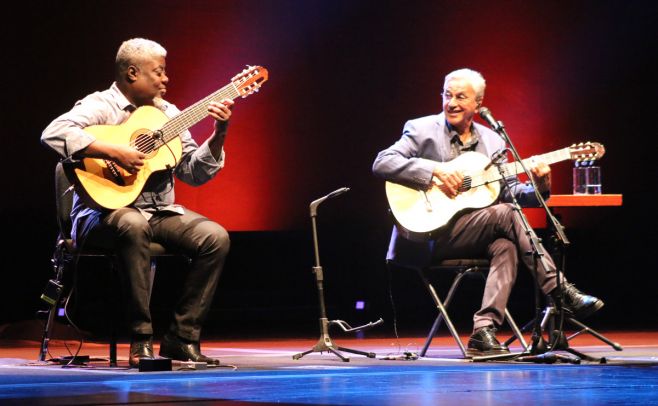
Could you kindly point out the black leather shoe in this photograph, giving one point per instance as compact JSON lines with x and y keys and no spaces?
{"x":182,"y":350}
{"x":483,"y":342}
{"x":577,"y":303}
{"x":140,"y":348}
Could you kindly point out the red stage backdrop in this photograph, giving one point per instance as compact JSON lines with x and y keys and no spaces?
{"x":274,"y":147}
{"x":344,"y":77}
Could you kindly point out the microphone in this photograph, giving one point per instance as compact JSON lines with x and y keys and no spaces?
{"x":546,"y":358}
{"x":313,"y":207}
{"x":337,"y":192}
{"x":486,"y":116}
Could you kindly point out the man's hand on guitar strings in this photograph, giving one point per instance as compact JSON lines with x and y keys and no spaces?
{"x":128,"y":157}
{"x":448,"y":182}
{"x":220,"y":111}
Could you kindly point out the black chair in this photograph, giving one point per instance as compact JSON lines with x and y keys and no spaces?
{"x":461,"y":268}
{"x":66,"y":257}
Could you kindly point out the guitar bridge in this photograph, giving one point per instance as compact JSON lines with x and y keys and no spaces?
{"x":466,"y":184}
{"x":114,"y":171}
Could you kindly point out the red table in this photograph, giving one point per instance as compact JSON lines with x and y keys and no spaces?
{"x":537,"y":217}
{"x":584,"y":200}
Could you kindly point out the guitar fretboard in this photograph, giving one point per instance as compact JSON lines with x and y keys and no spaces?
{"x":514,"y":168}
{"x":194,"y":113}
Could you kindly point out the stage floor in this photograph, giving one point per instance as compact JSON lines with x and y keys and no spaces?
{"x":264,"y":372}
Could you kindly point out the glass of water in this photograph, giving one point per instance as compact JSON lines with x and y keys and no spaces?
{"x":587,"y":179}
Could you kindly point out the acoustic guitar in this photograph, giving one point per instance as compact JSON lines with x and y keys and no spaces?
{"x":420,"y":213}
{"x":104,"y":184}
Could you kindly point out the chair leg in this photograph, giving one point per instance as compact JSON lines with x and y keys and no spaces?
{"x":113,"y":348}
{"x":113,"y":317}
{"x":47,"y":332}
{"x":515,"y":329}
{"x":443,"y":314}
{"x":52,"y":296}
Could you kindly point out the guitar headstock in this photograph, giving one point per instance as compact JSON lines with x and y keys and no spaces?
{"x":249,"y":80}
{"x":586,"y":151}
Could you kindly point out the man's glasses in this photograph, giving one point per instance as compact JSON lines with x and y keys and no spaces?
{"x":461,"y":98}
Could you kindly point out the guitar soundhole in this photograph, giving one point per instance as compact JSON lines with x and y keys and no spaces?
{"x":145,"y":143}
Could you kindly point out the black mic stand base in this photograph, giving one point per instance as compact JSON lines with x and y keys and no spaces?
{"x":541,"y":352}
{"x":325,"y":344}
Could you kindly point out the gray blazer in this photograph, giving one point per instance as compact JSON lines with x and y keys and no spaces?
{"x":411,"y":161}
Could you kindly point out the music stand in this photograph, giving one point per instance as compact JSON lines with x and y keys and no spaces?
{"x":325,"y":343}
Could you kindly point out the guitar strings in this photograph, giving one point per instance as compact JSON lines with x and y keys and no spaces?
{"x":513,"y":168}
{"x":195,"y":112}
{"x":145,"y":143}
{"x":149,"y":142}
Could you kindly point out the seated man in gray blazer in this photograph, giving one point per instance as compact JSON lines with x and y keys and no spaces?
{"x":420,"y":159}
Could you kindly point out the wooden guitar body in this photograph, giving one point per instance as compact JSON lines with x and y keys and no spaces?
{"x":98,"y":177}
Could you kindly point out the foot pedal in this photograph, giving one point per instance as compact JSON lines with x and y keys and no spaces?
{"x":77,"y":360}
{"x":189,"y":365}
{"x":154,"y":364}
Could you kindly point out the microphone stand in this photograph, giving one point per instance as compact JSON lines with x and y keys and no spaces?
{"x":538,"y":351}
{"x":325,"y":343}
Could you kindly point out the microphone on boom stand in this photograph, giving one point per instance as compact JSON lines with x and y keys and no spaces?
{"x":488,"y":117}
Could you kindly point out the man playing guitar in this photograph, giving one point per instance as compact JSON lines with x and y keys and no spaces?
{"x":420,"y":159}
{"x":141,"y":80}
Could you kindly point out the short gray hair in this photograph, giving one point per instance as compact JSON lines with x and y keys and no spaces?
{"x":136,"y":50}
{"x":473,"y":77}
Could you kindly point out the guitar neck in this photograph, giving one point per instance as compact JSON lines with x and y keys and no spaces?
{"x":514,"y":168}
{"x":196,"y":112}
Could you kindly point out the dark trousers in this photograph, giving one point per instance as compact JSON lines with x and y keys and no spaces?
{"x":128,"y":232}
{"x":496,"y":233}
